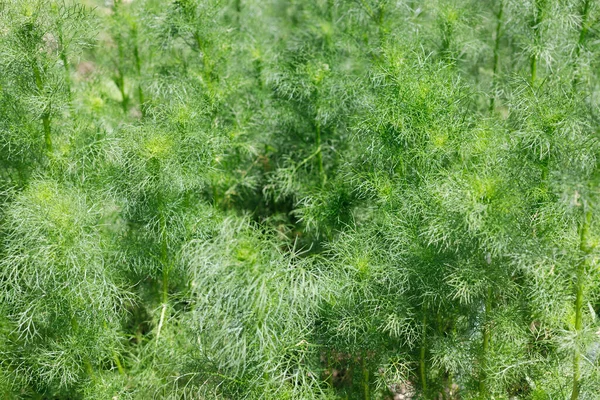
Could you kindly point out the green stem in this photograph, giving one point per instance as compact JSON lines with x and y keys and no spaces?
{"x":46,"y":118}
{"x":47,"y":129}
{"x":165,"y":266}
{"x":440,"y":331}
{"x":537,"y":20}
{"x":118,"y":363}
{"x":141,"y":100}
{"x":120,"y":82}
{"x":368,"y":9}
{"x":365,"y":371}
{"x":65,"y":61}
{"x":582,"y":34}
{"x":380,"y":14}
{"x":138,"y":67}
{"x":533,"y":67}
{"x":496,"y":52}
{"x":584,"y":26}
{"x":165,"y":284}
{"x":206,"y":69}
{"x":422,"y":353}
{"x":486,"y":340}
{"x":320,"y":155}
{"x":584,"y":251}
{"x":88,"y":368}
{"x":120,"y":79}
{"x":329,"y":377}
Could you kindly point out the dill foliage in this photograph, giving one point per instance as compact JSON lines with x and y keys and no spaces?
{"x":323,"y":199}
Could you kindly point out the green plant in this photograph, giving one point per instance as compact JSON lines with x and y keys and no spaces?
{"x":318,"y":199}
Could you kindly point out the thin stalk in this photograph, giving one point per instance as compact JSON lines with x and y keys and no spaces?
{"x":584,"y":251}
{"x":120,"y":78}
{"x":329,"y":378}
{"x":165,"y":285}
{"x":46,"y":114}
{"x":496,"y":52}
{"x":118,"y":363}
{"x":161,"y":321}
{"x":88,"y":368}
{"x":238,"y":12}
{"x":330,"y":5}
{"x":206,"y":70}
{"x":533,"y":68}
{"x":381,"y":29}
{"x":368,"y":9}
{"x":486,"y":340}
{"x":47,"y":129}
{"x":380,"y":14}
{"x":537,"y":20}
{"x":165,"y":267}
{"x":320,"y":155}
{"x":116,"y":355}
{"x":86,"y":363}
{"x":365,"y":380}
{"x":422,"y":353}
{"x":65,"y":61}
{"x":120,"y":81}
{"x":138,"y":67}
{"x":141,"y":100}
{"x":584,"y":26}
{"x":585,"y":13}
{"x":440,"y":331}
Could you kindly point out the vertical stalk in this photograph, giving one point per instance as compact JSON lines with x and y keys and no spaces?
{"x":206,"y":69}
{"x":88,"y":368}
{"x":86,"y":362}
{"x":63,"y":57}
{"x":165,"y":268}
{"x":138,"y":67}
{"x":584,"y":251}
{"x":164,"y":256}
{"x":365,"y":380}
{"x":447,"y":380}
{"x":533,"y":68}
{"x":380,"y":19}
{"x":120,"y":78}
{"x":537,"y":20}
{"x":120,"y":81}
{"x":329,"y":378}
{"x":46,"y":114}
{"x":582,"y":34}
{"x":47,"y":129}
{"x":118,"y":363}
{"x":486,"y":340}
{"x":422,"y":352}
{"x":320,"y":154}
{"x":496,"y":52}
{"x":585,"y":13}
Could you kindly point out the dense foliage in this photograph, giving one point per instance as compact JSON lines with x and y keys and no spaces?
{"x":299,"y":199}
